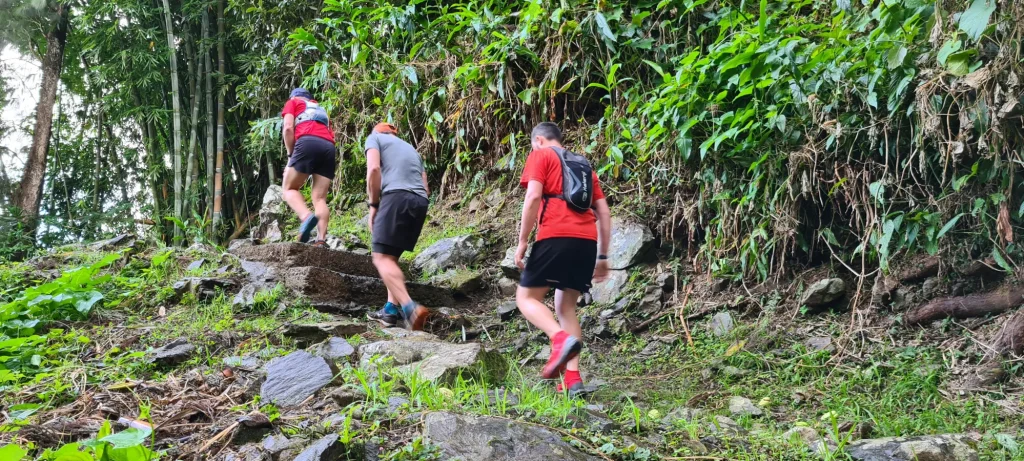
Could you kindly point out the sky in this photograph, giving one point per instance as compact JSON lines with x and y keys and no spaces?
{"x":23,"y":76}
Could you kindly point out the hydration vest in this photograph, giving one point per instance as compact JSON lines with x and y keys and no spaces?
{"x":313,"y":113}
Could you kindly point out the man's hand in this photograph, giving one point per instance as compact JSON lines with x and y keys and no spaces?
{"x":601,"y":271}
{"x":373,"y":214}
{"x":521,"y":255}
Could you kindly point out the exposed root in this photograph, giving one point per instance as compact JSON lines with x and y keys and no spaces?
{"x":964,"y":307}
{"x":927,"y":268}
{"x":1009,"y":341}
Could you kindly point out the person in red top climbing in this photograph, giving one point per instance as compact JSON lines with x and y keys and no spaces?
{"x":565,"y":203}
{"x":310,"y":144}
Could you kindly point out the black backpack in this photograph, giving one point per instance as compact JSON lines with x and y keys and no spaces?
{"x":577,"y":181}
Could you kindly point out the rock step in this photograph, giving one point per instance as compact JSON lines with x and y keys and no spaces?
{"x":336,"y":292}
{"x":293,"y":254}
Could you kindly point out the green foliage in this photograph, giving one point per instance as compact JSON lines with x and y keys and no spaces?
{"x":127,"y":445}
{"x":70,"y":297}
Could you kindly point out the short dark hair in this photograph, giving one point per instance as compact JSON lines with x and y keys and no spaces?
{"x":547,"y":130}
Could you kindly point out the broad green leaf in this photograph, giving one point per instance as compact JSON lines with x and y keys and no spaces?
{"x":974,"y":21}
{"x":948,"y":48}
{"x":130,"y":437}
{"x":84,"y":305}
{"x":23,"y":411}
{"x":949,"y":225}
{"x":762,"y":20}
{"x":12,"y":452}
{"x":602,"y":25}
{"x":959,"y":63}
{"x":896,"y":56}
{"x":737,"y":61}
{"x":1008,"y":442}
{"x":410,"y":73}
{"x":657,"y":68}
{"x":72,"y":452}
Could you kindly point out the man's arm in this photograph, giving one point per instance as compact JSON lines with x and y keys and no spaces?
{"x":288,"y":133}
{"x":426,"y":187}
{"x":373,"y":178}
{"x":531,"y":205}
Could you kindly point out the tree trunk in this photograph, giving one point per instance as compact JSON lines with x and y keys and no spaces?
{"x":176,"y":105}
{"x":30,"y":190}
{"x":209,"y":118}
{"x":195,"y":70}
{"x":218,"y":180}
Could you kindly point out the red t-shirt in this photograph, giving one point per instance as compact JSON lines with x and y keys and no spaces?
{"x":558,"y":219}
{"x":296,"y":107}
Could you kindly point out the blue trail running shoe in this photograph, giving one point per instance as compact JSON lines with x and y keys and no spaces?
{"x":307,"y":227}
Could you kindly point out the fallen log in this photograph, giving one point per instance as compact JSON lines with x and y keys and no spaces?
{"x":987,"y":268}
{"x":963,"y":307}
{"x":927,"y":268}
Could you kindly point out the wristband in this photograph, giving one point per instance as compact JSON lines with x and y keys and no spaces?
{"x":373,"y":205}
{"x":602,"y":257}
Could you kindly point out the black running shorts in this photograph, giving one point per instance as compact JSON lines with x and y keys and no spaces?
{"x":398,"y":222}
{"x":561,"y":262}
{"x":314,"y":155}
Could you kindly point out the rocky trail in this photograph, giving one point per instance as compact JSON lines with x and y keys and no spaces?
{"x":263,"y":352}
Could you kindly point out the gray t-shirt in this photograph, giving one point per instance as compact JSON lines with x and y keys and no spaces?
{"x":401,"y":167}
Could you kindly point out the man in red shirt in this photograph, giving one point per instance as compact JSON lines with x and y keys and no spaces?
{"x":565,"y":255}
{"x":310,"y":144}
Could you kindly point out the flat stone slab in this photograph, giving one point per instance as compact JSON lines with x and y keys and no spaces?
{"x":947,"y":447}
{"x":293,"y":378}
{"x":436,"y":360}
{"x":294,"y":254}
{"x":496,"y":439}
{"x":327,"y":287}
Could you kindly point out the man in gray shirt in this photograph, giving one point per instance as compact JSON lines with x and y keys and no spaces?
{"x":396,"y":185}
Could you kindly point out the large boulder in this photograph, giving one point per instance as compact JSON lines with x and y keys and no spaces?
{"x":608,"y":291}
{"x":450,"y":253}
{"x":436,"y":360}
{"x":496,"y":439}
{"x":271,"y":216}
{"x":335,"y":292}
{"x":293,"y":378}
{"x":823,"y":293}
{"x":948,"y":447}
{"x":293,"y":254}
{"x":630,"y":245}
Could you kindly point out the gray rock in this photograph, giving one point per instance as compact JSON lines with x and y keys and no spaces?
{"x":742,"y":406}
{"x":450,"y":253}
{"x":464,"y":283}
{"x":245,"y":362}
{"x":337,"y":292}
{"x":722,"y":324}
{"x":327,"y":448}
{"x":819,"y":343}
{"x":598,"y":421}
{"x":334,"y":349}
{"x":807,"y":437}
{"x":293,"y":378}
{"x":507,"y":287}
{"x":173,"y":353}
{"x":347,"y":395}
{"x":205,"y":288}
{"x":508,"y":264}
{"x":402,"y":333}
{"x":238,"y":244}
{"x":496,"y":439}
{"x":123,"y":240}
{"x":246,"y":297}
{"x":948,"y":447}
{"x":507,"y":310}
{"x":630,"y":244}
{"x":732,"y":371}
{"x":258,"y":272}
{"x":496,"y":396}
{"x":306,"y":334}
{"x":274,"y":444}
{"x":681,"y":414}
{"x":823,"y":292}
{"x":292,"y":254}
{"x":666,"y":281}
{"x":608,"y":291}
{"x":196,"y":265}
{"x":436,"y":361}
{"x":725,"y":426}
{"x":585,"y":300}
{"x":396,"y":403}
{"x":268,"y":226}
{"x":246,"y":453}
{"x":251,"y":429}
{"x":930,"y":287}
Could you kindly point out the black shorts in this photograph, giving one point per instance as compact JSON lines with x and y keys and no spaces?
{"x":314,"y":155}
{"x":398,"y":222}
{"x":562,"y":263}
